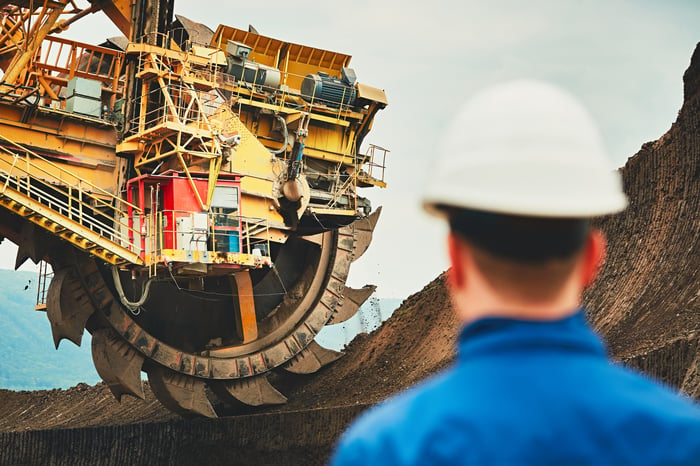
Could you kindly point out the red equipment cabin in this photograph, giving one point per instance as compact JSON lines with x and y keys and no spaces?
{"x":173,"y":218}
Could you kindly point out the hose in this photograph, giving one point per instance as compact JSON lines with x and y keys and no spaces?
{"x":132,"y":306}
{"x":286,"y":135}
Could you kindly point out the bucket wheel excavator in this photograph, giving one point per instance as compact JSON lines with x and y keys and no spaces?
{"x":191,"y":193}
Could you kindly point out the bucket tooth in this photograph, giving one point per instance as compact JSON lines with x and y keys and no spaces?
{"x":22,"y":255}
{"x":32,"y":245}
{"x":353,"y":298}
{"x":68,"y":308}
{"x":252,"y":391}
{"x":311,"y":359}
{"x":117,"y":363}
{"x":179,"y":393}
{"x":363,"y":232}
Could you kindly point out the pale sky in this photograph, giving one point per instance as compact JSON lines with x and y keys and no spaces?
{"x":623,"y":58}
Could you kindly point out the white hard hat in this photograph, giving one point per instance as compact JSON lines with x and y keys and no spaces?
{"x":525,"y":148}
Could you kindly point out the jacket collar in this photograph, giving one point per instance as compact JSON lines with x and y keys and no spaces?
{"x":495,"y":334}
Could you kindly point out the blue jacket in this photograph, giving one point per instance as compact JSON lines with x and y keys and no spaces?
{"x":523,"y":393}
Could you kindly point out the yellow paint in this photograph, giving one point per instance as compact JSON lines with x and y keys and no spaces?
{"x":255,"y":206}
{"x":345,"y":212}
{"x":246,"y":324}
{"x":119,"y":11}
{"x":67,"y":229}
{"x":250,"y":157}
{"x":297,"y":60}
{"x":372,"y":93}
{"x":69,"y":143}
{"x":210,"y":257}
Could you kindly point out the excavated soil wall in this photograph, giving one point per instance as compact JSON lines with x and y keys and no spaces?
{"x":647,"y":300}
{"x":302,"y":437}
{"x":646,"y":304}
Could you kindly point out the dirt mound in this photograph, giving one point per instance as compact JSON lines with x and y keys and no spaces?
{"x":415,"y":342}
{"x":646,"y":304}
{"x":647,"y":300}
{"x":81,"y":406}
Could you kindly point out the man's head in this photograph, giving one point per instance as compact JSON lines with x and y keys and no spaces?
{"x":534,"y":267}
{"x":521,"y":173}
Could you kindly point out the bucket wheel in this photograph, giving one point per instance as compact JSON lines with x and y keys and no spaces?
{"x":220,"y":334}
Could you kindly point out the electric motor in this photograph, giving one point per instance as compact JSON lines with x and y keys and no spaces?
{"x":253,"y":73}
{"x":328,"y":90}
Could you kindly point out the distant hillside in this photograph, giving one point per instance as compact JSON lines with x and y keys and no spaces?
{"x":370,"y":316}
{"x":28,"y":358}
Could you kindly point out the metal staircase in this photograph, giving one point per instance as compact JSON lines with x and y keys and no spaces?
{"x":65,"y":205}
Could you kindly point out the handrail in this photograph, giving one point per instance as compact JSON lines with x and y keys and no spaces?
{"x":347,"y":188}
{"x":372,"y":164}
{"x":247,"y":228}
{"x":75,"y":212}
{"x":59,"y":59}
{"x":71,"y":57}
{"x":60,"y":169}
{"x":75,"y":206}
{"x":44,"y":280}
{"x":281,"y":96}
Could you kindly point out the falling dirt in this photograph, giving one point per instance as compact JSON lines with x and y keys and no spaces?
{"x":646,"y":304}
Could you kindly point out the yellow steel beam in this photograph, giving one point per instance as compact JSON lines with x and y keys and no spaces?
{"x":68,"y":229}
{"x":365,"y":182}
{"x":141,"y":48}
{"x":246,"y":324}
{"x":36,"y":36}
{"x":191,"y":181}
{"x":320,"y":211}
{"x":119,"y":11}
{"x":323,"y":155}
{"x":214,"y":169}
{"x":212,"y":257}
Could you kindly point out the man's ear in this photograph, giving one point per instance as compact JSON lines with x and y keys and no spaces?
{"x":593,"y":256}
{"x":456,"y":277}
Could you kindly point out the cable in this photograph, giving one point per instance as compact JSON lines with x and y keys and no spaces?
{"x":319,"y":221}
{"x":279,"y":278}
{"x":213,"y":293}
{"x":285,"y":134}
{"x":133,"y":307}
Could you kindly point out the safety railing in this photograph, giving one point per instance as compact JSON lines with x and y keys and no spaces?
{"x":45,"y":276}
{"x":248,"y":89}
{"x":176,"y":103}
{"x":63,"y":192}
{"x":255,"y":235}
{"x":373,"y":164}
{"x":341,"y":188}
{"x":251,"y":84}
{"x":58,"y":60}
{"x":206,"y":231}
{"x":71,"y":58}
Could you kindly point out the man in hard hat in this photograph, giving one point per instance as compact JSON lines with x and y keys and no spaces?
{"x":522,"y":172}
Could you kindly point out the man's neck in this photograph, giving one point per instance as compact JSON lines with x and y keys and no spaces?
{"x":521,"y":312}
{"x":481,"y":301}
